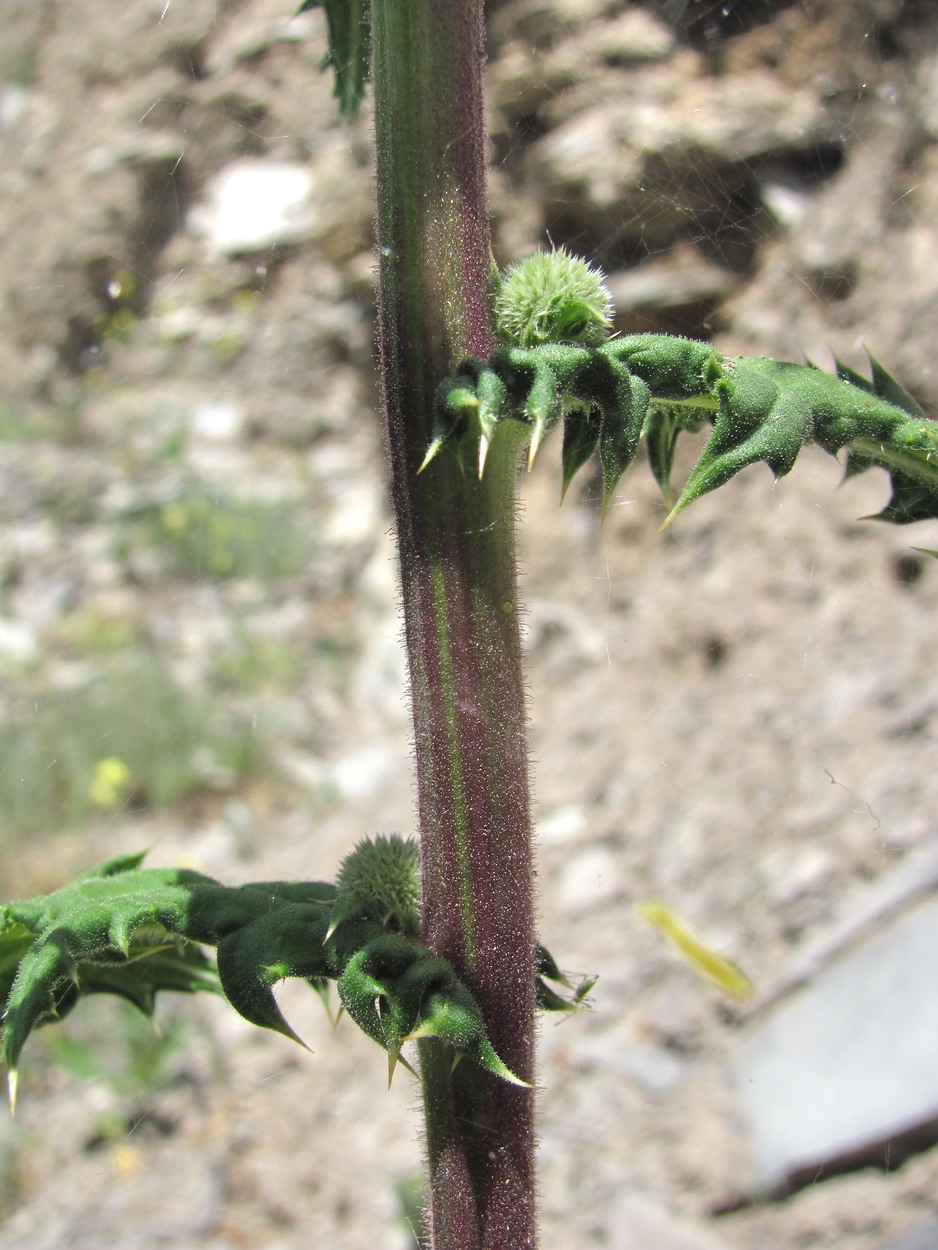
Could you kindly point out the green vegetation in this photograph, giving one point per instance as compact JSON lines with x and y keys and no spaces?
{"x":213,"y":536}
{"x":170,"y":741}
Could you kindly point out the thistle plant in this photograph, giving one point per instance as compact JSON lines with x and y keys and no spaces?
{"x":554,"y":315}
{"x":436,"y":945}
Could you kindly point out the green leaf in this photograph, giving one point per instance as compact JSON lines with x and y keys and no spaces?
{"x":886,"y":386}
{"x":581,"y":431}
{"x":914,"y":475}
{"x":622,"y":426}
{"x":453,"y":1016}
{"x":661,"y":432}
{"x":110,"y":931}
{"x":179,"y":966}
{"x":131,"y":931}
{"x":549,"y":999}
{"x":286,"y":941}
{"x":349,"y":26}
{"x":656,"y":385}
{"x":664,"y":424}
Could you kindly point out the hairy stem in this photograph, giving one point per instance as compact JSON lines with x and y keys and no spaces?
{"x":456,"y":537}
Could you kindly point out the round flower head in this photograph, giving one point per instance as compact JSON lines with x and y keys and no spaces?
{"x":382,"y":878}
{"x":553,"y":297}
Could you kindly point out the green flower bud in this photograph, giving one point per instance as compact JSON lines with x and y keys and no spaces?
{"x":553,"y":297}
{"x":381,"y":879}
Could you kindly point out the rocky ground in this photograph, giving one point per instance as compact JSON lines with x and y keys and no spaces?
{"x":196,"y":578}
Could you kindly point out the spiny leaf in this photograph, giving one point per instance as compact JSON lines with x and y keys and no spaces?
{"x":132,"y":931}
{"x":349,"y":26}
{"x":756,"y":421}
{"x":287,"y":941}
{"x":543,"y":409}
{"x":374,"y":992}
{"x":886,"y":386}
{"x":768,"y":410}
{"x":622,"y":426}
{"x":15,"y":941}
{"x":451,"y":405}
{"x":114,"y":867}
{"x":178,"y":966}
{"x":580,"y":437}
{"x":129,"y":931}
{"x":44,"y":989}
{"x":661,"y":432}
{"x":549,"y":999}
{"x":612,"y":392}
{"x":914,"y":484}
{"x":454,"y":1017}
{"x":846,"y":374}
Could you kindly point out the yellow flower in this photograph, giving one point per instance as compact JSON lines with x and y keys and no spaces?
{"x":694,"y":951}
{"x":110,"y":784}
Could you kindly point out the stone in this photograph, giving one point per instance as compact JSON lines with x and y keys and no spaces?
{"x":251,"y":205}
{"x":218,"y":420}
{"x":681,"y":277}
{"x":924,"y":1238}
{"x":641,"y":1223}
{"x":841,"y":1073}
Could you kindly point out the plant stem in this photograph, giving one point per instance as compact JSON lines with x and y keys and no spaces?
{"x":456,"y":537}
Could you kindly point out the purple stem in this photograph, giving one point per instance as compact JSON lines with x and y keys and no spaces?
{"x":456,"y":538}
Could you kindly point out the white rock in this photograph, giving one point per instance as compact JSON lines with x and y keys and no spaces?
{"x":17,"y":641}
{"x":254,"y":204}
{"x":218,"y":420}
{"x":845,"y":1064}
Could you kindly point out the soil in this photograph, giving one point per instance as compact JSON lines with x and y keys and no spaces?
{"x":737,"y":715}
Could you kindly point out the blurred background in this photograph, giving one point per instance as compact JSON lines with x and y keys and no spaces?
{"x":199,"y":641}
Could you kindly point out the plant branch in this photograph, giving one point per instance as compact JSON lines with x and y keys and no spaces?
{"x":456,"y":537}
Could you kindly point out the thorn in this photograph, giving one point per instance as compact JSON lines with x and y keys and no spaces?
{"x":682,"y":503}
{"x":344,"y":909}
{"x":409,"y":1066}
{"x":287,"y":1031}
{"x":394,"y":1058}
{"x":432,"y":451}
{"x":536,"y":440}
{"x":484,"y":445}
{"x":509,"y":1076}
{"x":296,"y":1037}
{"x":492,"y":1063}
{"x":12,"y":1081}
